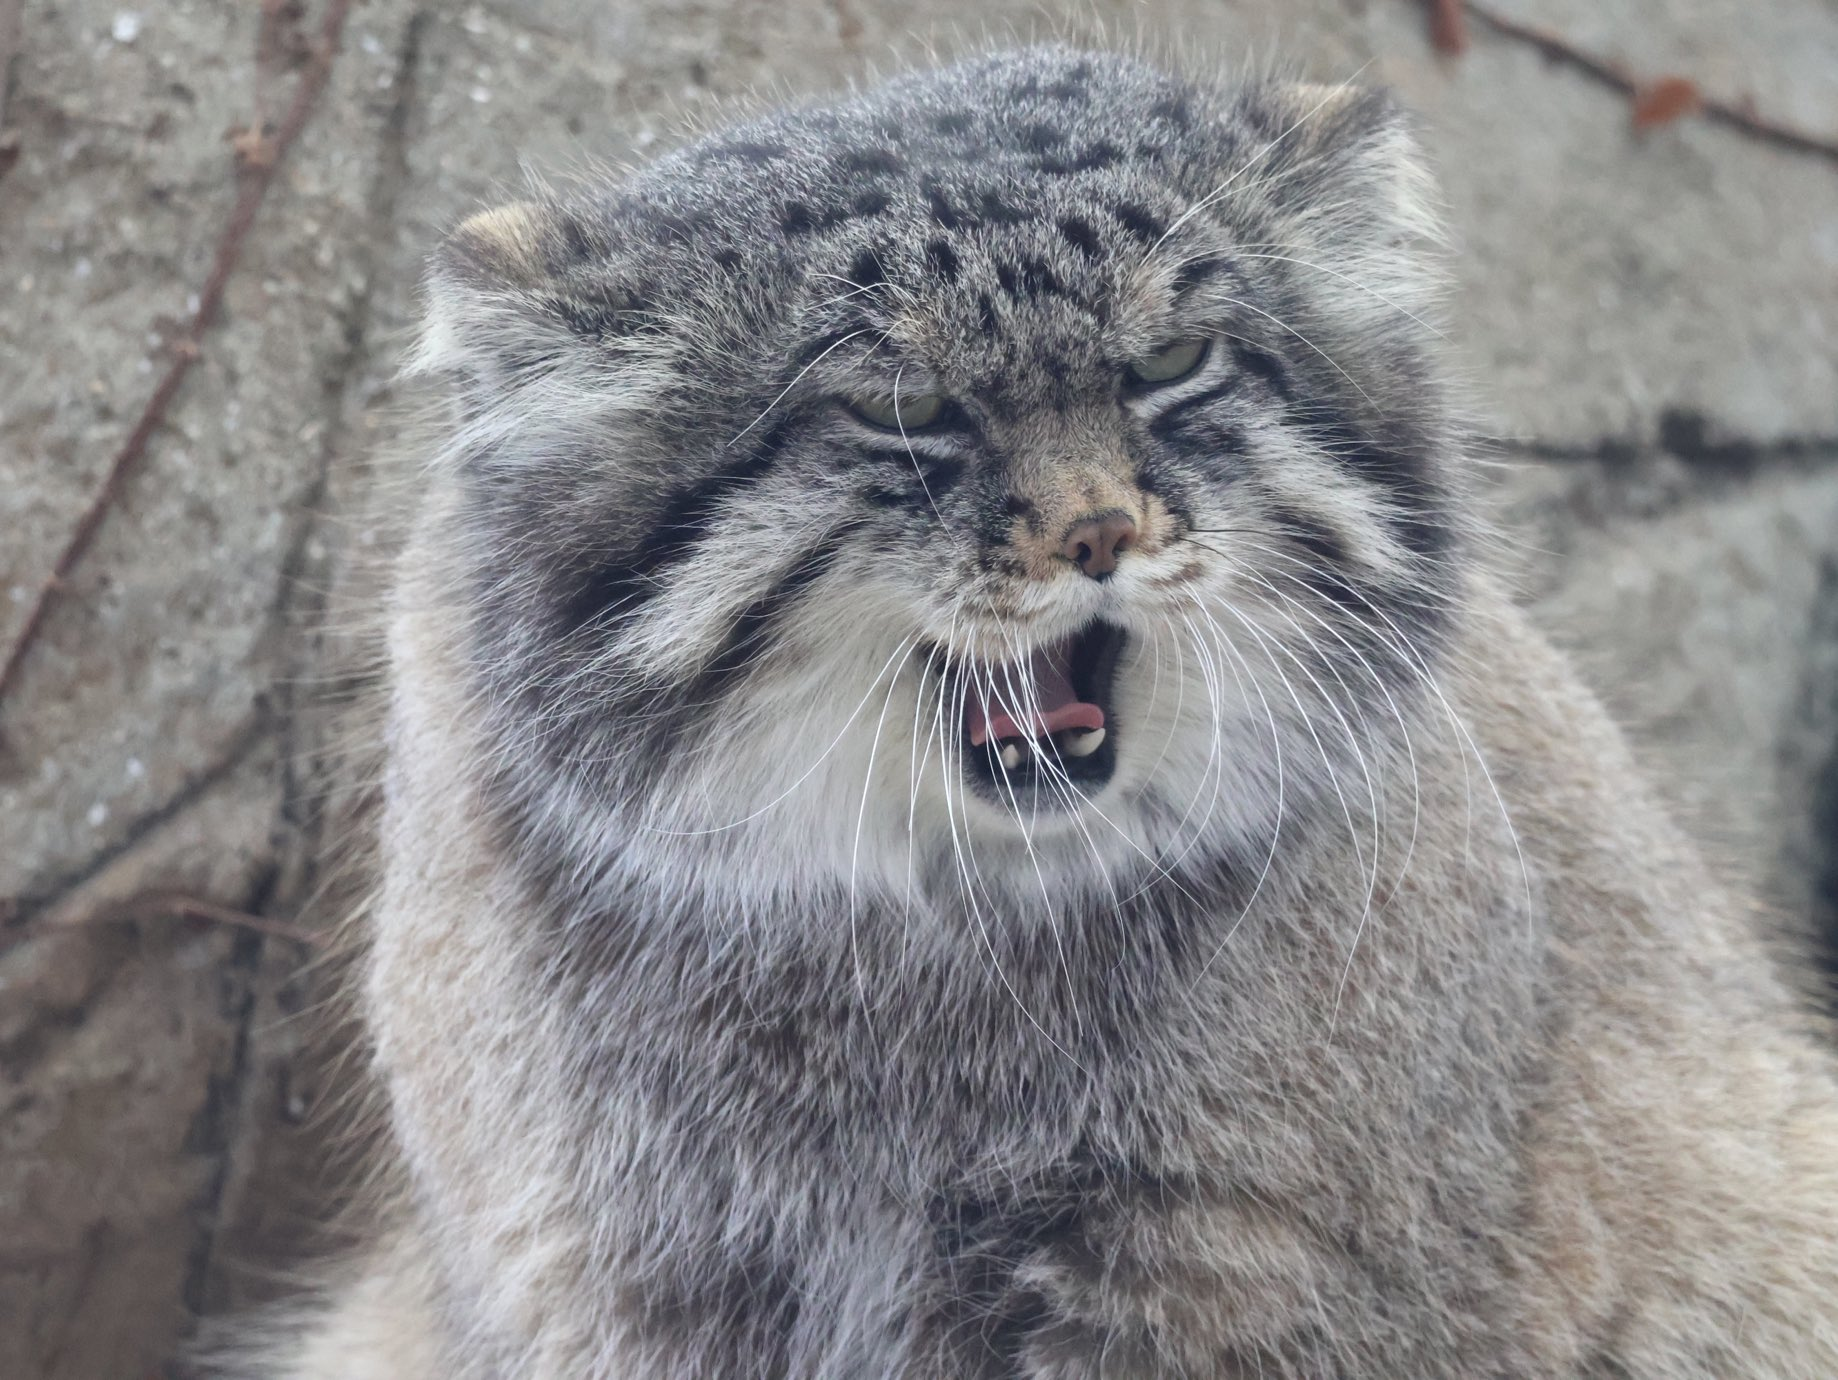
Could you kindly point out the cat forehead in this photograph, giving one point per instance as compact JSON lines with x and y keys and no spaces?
{"x":1040,"y":166}
{"x":1029,"y":108}
{"x":1027,"y":214}
{"x":966,"y":212}
{"x":978,"y":147}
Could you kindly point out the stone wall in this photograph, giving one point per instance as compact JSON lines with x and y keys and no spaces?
{"x":1648,"y":321}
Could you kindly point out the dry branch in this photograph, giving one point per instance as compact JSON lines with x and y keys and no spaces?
{"x":257,"y":176}
{"x":1448,"y":27}
{"x":165,"y":905}
{"x":1740,"y":115}
{"x":178,"y":905}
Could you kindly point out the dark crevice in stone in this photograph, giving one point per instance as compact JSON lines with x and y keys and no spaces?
{"x":213,"y":1130}
{"x":42,"y":895}
{"x":1683,"y":433}
{"x":1823,"y":834}
{"x":1825,"y":856}
{"x":1689,"y":435}
{"x":295,"y":628}
{"x":1614,"y":452}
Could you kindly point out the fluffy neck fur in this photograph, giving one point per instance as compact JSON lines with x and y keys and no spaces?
{"x":821,"y":1137}
{"x":1347,"y":1033}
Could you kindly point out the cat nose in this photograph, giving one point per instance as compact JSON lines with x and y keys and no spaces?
{"x":1093,"y":543}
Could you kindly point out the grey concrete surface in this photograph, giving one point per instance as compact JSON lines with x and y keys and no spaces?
{"x":1647,"y":322}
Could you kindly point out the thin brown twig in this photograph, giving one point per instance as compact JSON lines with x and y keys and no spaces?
{"x":183,"y":906}
{"x":257,"y":175}
{"x":1448,"y":27}
{"x":11,"y":28}
{"x":154,"y":905}
{"x":1735,"y":114}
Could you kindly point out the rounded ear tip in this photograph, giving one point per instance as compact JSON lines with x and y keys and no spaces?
{"x":1342,"y":120}
{"x":1337,"y":103}
{"x":496,"y":247}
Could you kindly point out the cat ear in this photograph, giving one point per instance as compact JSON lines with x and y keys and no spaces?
{"x":499,"y":247}
{"x":519,"y":295}
{"x":1343,"y":167}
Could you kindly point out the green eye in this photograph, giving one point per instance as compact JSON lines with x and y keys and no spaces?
{"x":1165,"y":366}
{"x":914,"y":413}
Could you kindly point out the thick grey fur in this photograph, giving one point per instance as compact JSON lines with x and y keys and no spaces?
{"x":1366,"y":1020}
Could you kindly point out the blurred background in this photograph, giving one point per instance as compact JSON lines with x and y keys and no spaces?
{"x":212,"y":219}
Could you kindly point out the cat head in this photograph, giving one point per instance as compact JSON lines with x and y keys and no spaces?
{"x":1030,"y":469}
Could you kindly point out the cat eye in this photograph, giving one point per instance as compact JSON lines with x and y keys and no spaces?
{"x":1177,"y":361}
{"x":914,"y":413}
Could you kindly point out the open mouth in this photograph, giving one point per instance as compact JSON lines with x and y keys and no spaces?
{"x":1042,"y":730}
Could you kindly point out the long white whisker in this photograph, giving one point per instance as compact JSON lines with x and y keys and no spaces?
{"x":1320,"y":748}
{"x":960,"y":845}
{"x":796,"y":378}
{"x":1276,"y":832}
{"x":1371,"y":788}
{"x":1419,"y":664}
{"x":907,"y":441}
{"x":1372,"y":674}
{"x":1240,"y":252}
{"x":1284,"y":325}
{"x":1049,"y":917}
{"x":1251,"y":162}
{"x":861,"y":815}
{"x":901,"y":653}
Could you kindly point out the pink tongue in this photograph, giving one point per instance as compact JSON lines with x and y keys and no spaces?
{"x":989,"y":714}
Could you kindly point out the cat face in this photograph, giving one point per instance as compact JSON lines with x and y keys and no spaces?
{"x":1033,"y":462}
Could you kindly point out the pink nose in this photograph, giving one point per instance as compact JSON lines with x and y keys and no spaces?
{"x":1094,"y":543}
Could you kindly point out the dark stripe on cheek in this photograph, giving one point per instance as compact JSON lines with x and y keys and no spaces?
{"x":752,"y":632}
{"x":625,"y":583}
{"x":1327,"y":571}
{"x":940,"y":475}
{"x":1312,"y":535}
{"x":912,"y":483}
{"x":1168,"y":421}
{"x":895,"y":500}
{"x":1262,"y":366}
{"x":1423,"y":525}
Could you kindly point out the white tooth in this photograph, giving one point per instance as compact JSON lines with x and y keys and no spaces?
{"x":1082,"y":744}
{"x":1011,"y":756}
